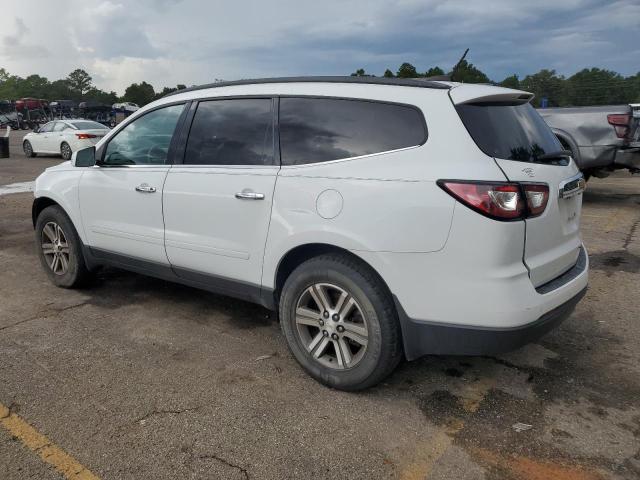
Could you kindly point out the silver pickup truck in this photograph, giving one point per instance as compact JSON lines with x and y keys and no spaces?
{"x":601,"y":139}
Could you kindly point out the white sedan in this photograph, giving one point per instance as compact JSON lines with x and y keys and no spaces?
{"x":63,"y":137}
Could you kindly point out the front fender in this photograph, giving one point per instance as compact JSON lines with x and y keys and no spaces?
{"x":61,"y":186}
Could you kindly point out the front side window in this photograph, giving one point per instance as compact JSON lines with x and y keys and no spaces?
{"x":146,"y":140}
{"x":323,"y":129}
{"x":46,"y":128}
{"x":231,"y":132}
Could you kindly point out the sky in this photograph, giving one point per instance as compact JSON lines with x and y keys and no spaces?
{"x":166,"y":42}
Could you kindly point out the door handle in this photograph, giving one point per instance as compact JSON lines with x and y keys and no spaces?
{"x":249,"y":195}
{"x":145,"y":188}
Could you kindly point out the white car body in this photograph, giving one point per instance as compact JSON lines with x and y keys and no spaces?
{"x":50,"y":137}
{"x":127,"y":106}
{"x":453,"y":273}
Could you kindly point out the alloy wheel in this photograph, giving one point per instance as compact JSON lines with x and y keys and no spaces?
{"x":65,"y":150}
{"x":55,"y":248}
{"x":331,"y":326}
{"x":27,"y":149}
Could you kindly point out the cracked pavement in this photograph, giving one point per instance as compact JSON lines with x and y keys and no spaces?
{"x":137,"y":378}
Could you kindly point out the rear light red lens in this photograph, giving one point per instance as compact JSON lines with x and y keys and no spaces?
{"x":620,"y":123}
{"x":500,"y":201}
{"x":537,"y":195}
{"x":83,"y":136}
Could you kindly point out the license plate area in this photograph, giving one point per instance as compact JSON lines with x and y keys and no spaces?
{"x":572,"y":187}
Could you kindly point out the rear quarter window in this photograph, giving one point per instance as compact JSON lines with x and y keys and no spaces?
{"x":316,"y":130}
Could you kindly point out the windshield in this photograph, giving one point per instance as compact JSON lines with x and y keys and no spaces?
{"x":511,"y":132}
{"x":87,"y":125}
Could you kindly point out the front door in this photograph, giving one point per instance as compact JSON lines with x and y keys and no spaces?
{"x":121,"y":197}
{"x":217,"y":204}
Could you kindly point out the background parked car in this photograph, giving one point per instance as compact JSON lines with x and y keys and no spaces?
{"x":63,"y":137}
{"x":126,"y":106}
{"x":601,"y":139}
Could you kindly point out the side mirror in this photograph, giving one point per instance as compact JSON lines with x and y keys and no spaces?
{"x":84,"y":158}
{"x":36,"y":130}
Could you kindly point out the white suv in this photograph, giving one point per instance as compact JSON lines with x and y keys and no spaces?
{"x":382,"y":218}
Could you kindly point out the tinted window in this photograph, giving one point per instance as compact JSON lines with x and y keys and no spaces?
{"x":231,"y":132}
{"x":318,"y":130}
{"x":89,"y":125}
{"x":146,"y":140}
{"x":512,"y":132}
{"x":46,"y":128}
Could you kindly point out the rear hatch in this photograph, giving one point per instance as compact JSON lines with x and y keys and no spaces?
{"x":506,"y":127}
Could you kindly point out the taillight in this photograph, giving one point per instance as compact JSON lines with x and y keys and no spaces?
{"x":537,"y":197}
{"x":500,"y":201}
{"x":620,"y":123}
{"x":82,"y":136}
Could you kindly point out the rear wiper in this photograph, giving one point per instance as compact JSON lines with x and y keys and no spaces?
{"x":554,"y":155}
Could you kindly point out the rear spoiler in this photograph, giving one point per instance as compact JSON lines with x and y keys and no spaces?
{"x":468,"y":93}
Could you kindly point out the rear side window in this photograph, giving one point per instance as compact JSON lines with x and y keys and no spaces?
{"x":232,"y":132}
{"x":511,"y":132}
{"x":322,"y":129}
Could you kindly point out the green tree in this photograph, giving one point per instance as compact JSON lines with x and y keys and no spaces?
{"x":388,"y":73}
{"x":407,"y":70}
{"x":80,"y":82}
{"x":512,"y":81}
{"x":596,"y":86}
{"x":434,"y":72}
{"x":100,"y":96}
{"x":181,"y":86}
{"x":547,"y":84}
{"x":467,"y":73}
{"x":139,"y":93}
{"x":359,"y":73}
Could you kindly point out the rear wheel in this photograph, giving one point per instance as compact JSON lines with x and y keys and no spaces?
{"x":340,"y":323}
{"x":60,"y":249}
{"x":28,"y":149}
{"x":65,"y":151}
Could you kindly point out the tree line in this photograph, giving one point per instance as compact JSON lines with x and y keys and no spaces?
{"x":589,"y":86}
{"x":77,"y":86}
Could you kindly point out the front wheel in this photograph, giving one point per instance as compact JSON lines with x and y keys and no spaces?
{"x":340,"y":322}
{"x":65,"y":151}
{"x":28,"y":149}
{"x":60,"y":249}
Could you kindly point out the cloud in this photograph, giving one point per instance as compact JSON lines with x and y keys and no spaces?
{"x":166,"y":42}
{"x":17,"y":45}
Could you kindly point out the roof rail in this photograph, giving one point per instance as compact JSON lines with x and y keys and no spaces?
{"x":403,"y":82}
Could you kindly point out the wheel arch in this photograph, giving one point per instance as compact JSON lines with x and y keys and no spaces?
{"x":567,"y":141}
{"x":39,"y":204}
{"x":301,"y":253}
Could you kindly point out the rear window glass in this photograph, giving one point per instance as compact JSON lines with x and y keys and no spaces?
{"x":322,"y":129}
{"x":511,"y":132}
{"x":89,"y":126}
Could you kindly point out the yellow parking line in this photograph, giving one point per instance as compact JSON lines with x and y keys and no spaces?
{"x":38,"y":443}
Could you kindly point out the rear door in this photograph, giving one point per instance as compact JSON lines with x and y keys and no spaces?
{"x":510,"y":130}
{"x":217,"y":203}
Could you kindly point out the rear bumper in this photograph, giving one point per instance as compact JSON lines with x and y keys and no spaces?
{"x":422,"y":338}
{"x":628,"y":158}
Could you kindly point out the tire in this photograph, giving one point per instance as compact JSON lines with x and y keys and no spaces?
{"x":65,"y":151}
{"x":372,"y":317}
{"x":28,"y":149}
{"x":70,"y":271}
